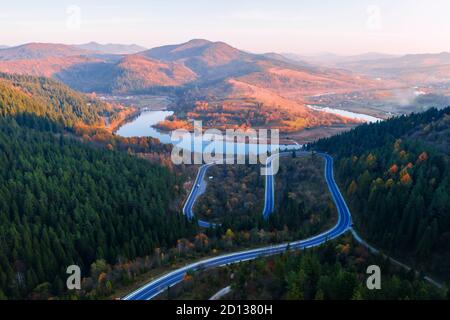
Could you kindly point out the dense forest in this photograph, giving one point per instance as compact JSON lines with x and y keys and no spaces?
{"x":234,"y":197}
{"x":33,"y":100}
{"x":334,"y":271}
{"x":66,"y":202}
{"x":337,"y":271}
{"x":48,"y":98}
{"x":396,"y":176}
{"x":63,"y":202}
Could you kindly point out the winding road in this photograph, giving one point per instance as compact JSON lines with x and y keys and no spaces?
{"x":343,"y":224}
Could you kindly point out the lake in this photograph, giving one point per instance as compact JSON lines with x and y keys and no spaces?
{"x":142,"y":126}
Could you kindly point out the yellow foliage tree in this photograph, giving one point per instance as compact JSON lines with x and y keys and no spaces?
{"x":229,"y":234}
{"x":352,"y":188}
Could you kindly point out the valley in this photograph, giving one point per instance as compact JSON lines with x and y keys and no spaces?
{"x":227,"y":87}
{"x":86,"y":157}
{"x":209,"y":81}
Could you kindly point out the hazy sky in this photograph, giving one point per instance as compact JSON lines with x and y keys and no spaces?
{"x":300,"y":26}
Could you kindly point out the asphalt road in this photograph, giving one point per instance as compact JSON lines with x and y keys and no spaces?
{"x":344,"y":223}
{"x":196,"y":191}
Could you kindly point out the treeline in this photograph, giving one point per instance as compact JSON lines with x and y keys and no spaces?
{"x":398,"y":186}
{"x":63,"y":202}
{"x":48,"y":98}
{"x":370,"y":136}
{"x":45,"y":104}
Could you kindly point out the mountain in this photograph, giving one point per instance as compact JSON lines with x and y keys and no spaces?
{"x":217,"y":60}
{"x":211,"y":60}
{"x":336,"y":60}
{"x":31,"y":51}
{"x":202,"y":70}
{"x":110,"y":48}
{"x":136,"y":73}
{"x":411,"y":61}
{"x":268,"y":86}
{"x":414,"y":68}
{"x":47,"y":98}
{"x":286,"y":58}
{"x":42,"y":59}
{"x":196,"y":61}
{"x":215,"y":53}
{"x":3,"y":47}
{"x":369,"y":56}
{"x":130,"y":74}
{"x":46,"y":67}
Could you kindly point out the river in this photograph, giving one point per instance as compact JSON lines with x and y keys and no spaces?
{"x":347,"y":114}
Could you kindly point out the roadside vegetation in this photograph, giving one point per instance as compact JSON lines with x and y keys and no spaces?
{"x":235,"y":198}
{"x":334,"y":271}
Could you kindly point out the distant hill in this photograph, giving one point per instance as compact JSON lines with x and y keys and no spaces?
{"x":3,"y":47}
{"x":286,"y":58}
{"x":270,"y":87}
{"x":136,"y":73}
{"x":225,"y":74}
{"x":414,"y":68}
{"x":335,"y":60}
{"x":197,"y":61}
{"x":110,"y":48}
{"x":46,"y":67}
{"x":212,"y":60}
{"x":43,"y":59}
{"x":130,"y":74}
{"x":39,"y":51}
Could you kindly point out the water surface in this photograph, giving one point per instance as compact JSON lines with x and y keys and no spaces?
{"x":142,"y":126}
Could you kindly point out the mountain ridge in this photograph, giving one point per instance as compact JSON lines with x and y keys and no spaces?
{"x":39,"y":50}
{"x":111,"y":48}
{"x":217,"y":73}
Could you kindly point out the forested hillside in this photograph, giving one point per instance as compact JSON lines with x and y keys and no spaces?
{"x":303,"y":206}
{"x":48,"y":98}
{"x":396,"y":176}
{"x":63,"y":202}
{"x":334,"y":271}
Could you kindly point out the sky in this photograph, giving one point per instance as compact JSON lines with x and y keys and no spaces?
{"x":294,"y":26}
